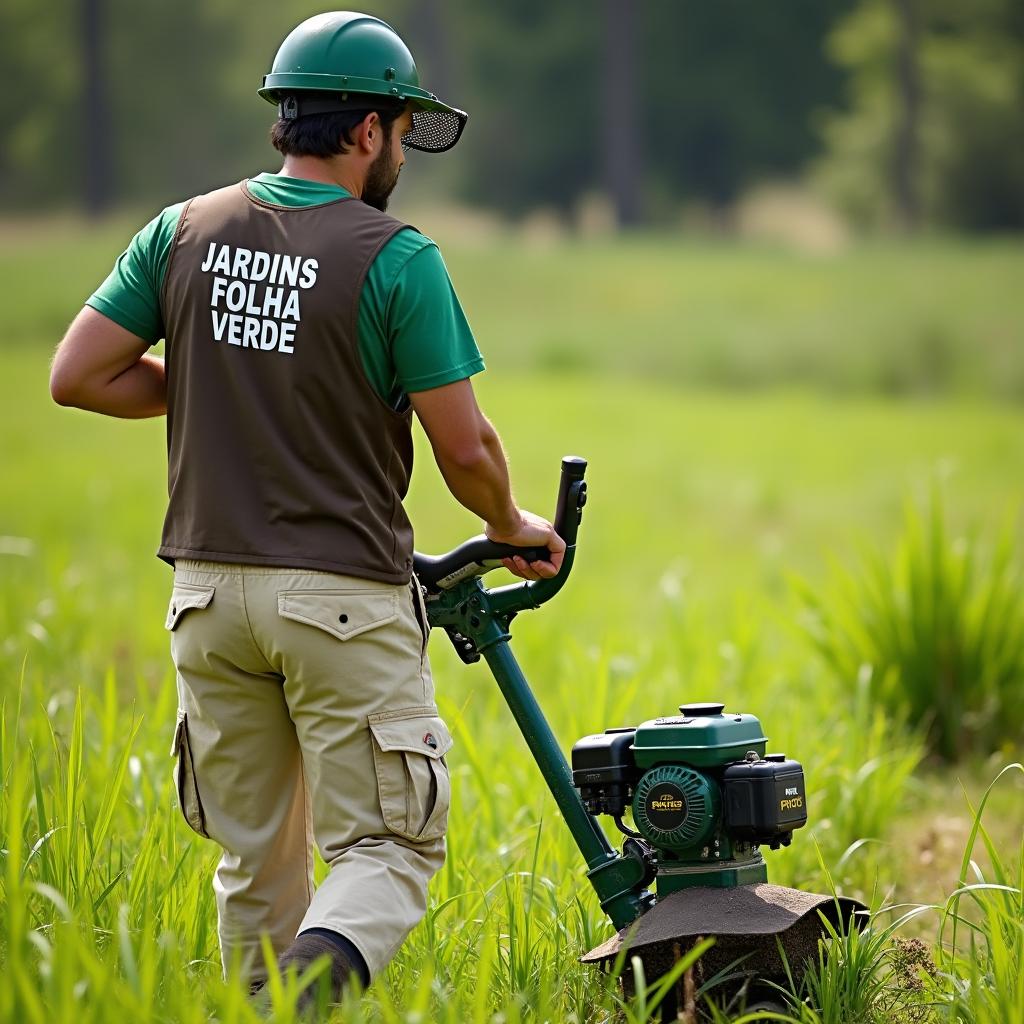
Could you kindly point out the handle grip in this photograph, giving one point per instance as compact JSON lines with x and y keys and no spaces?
{"x":572,"y":496}
{"x":496,"y":552}
{"x":478,"y":555}
{"x":473,"y":557}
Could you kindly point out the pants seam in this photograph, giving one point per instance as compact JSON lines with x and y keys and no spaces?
{"x":252,"y":634}
{"x":419,"y":610}
{"x":307,"y":829}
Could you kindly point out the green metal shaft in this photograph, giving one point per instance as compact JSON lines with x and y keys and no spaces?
{"x":617,"y":880}
{"x":478,"y":621}
{"x":585,"y":830}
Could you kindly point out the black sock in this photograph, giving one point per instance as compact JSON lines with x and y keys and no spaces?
{"x":346,"y":948}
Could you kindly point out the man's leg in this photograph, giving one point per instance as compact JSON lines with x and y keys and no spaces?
{"x":360,"y":693}
{"x":240,"y":769}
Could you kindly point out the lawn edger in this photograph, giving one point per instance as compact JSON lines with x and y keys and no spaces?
{"x":701,"y":789}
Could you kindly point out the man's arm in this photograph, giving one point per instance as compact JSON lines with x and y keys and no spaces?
{"x":469,"y":454}
{"x":101,"y":367}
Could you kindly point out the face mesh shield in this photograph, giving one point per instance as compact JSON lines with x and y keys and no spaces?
{"x":434,"y":131}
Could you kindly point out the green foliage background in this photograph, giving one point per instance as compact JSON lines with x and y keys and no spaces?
{"x":971,"y":64}
{"x":727,"y":95}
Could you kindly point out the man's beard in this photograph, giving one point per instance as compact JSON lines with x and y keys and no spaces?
{"x":381,"y":178}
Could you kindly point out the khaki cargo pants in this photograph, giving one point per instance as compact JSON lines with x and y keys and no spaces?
{"x":306,"y":713}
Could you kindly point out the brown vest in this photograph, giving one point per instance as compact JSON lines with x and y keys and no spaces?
{"x":279,"y":450}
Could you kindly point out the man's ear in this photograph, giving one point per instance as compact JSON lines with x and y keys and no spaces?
{"x":369,"y":131}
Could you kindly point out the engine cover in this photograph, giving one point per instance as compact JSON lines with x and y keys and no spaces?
{"x":675,"y":807}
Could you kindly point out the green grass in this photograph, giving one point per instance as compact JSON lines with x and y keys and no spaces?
{"x":703,"y":505}
{"x":938,"y":629}
{"x":922,"y":319}
{"x":925,"y":318}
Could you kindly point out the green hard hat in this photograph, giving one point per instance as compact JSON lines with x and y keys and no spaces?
{"x":344,"y":60}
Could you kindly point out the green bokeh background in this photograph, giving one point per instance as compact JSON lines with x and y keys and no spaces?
{"x":764,"y":370}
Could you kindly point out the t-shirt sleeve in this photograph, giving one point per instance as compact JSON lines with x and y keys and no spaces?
{"x":130,"y":296}
{"x":430,"y":339}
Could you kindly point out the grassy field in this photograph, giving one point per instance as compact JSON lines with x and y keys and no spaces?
{"x":922,"y":318}
{"x":704,"y":504}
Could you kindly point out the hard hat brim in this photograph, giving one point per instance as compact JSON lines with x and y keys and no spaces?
{"x":437,"y":127}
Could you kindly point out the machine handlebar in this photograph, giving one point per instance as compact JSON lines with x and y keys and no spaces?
{"x":478,"y":555}
{"x":473,"y":557}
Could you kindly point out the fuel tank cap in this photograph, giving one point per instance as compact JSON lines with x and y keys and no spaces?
{"x":701,"y":710}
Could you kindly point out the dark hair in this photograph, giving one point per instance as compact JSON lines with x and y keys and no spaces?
{"x":326,"y":135}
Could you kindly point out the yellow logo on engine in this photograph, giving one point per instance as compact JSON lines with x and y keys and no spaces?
{"x":791,"y":805}
{"x":666,"y":803}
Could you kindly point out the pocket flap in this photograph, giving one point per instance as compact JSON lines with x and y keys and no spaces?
{"x":185,"y":597}
{"x":345,"y":613}
{"x":419,"y":730}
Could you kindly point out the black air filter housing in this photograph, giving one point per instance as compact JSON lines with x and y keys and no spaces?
{"x":603,"y":770}
{"x":764,"y":799}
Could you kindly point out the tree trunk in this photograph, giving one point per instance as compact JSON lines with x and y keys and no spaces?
{"x":623,"y":169}
{"x":428,"y":26}
{"x":908,"y":83}
{"x":95,"y":120}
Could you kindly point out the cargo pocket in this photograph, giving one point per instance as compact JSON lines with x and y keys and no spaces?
{"x":409,"y":745}
{"x":342,"y":613}
{"x":185,"y":779}
{"x":184,"y":598}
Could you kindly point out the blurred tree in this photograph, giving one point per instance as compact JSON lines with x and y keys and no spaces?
{"x":968,"y":171}
{"x":427,"y":28}
{"x":97,"y":185}
{"x":176,"y":134}
{"x":721,"y":93}
{"x":621,"y":127}
{"x":909,"y":87}
{"x":722,"y":96}
{"x":532,"y":73}
{"x":39,"y":121}
{"x":729,"y":91}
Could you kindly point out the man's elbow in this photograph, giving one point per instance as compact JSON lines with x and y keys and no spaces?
{"x":60,"y":390}
{"x":65,"y":390}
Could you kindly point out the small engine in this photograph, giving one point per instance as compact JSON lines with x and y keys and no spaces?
{"x":702,"y":793}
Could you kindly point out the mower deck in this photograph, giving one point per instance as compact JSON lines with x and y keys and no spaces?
{"x":744,"y":920}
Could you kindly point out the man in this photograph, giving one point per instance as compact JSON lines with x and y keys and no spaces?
{"x":303,"y":326}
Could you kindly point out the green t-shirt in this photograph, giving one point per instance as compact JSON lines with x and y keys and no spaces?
{"x":413,"y":334}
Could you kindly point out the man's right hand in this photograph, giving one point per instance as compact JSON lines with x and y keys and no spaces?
{"x":532,"y":531}
{"x":472,"y":462}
